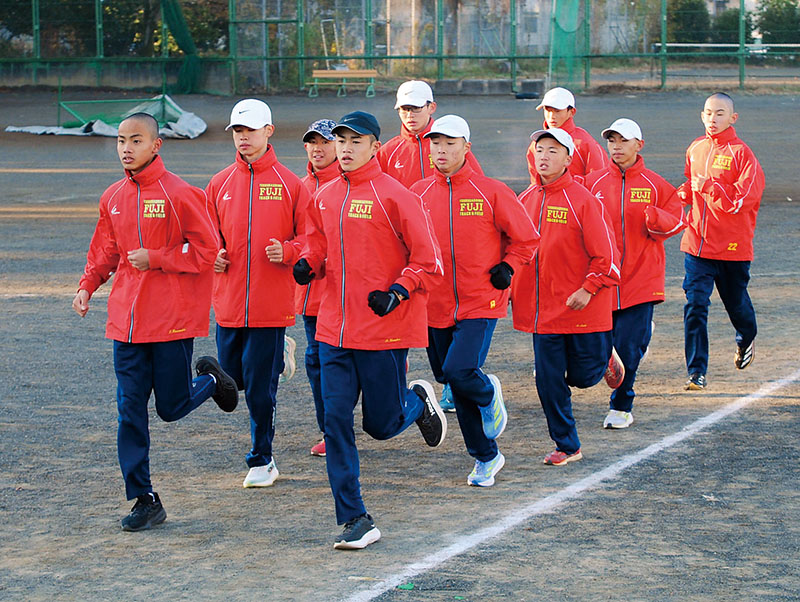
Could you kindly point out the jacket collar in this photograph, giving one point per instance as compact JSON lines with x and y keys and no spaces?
{"x":406,"y":134}
{"x":367,"y":172}
{"x":568,"y":126}
{"x":325,"y":174}
{"x":725,"y":136}
{"x":634,"y":170}
{"x":461,"y":176}
{"x":267,"y":160}
{"x":149,"y":174}
{"x":557,"y":186}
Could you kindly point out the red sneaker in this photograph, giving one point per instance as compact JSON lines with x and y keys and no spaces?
{"x":319,"y":449}
{"x":559,"y":458}
{"x":615,"y":373}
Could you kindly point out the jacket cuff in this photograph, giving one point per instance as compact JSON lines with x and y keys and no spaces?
{"x":154,"y":258}
{"x":407,"y":283}
{"x":290,"y":254}
{"x":513,"y":262}
{"x":590,"y":286}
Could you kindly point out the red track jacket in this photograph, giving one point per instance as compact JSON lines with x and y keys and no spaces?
{"x":157,"y":211}
{"x":473,"y":217}
{"x":589,"y":155}
{"x":644,"y":210}
{"x":251,"y":203}
{"x":407,"y":157}
{"x":576,"y":249}
{"x":307,"y":298}
{"x":723,"y":215}
{"x":374,"y":233}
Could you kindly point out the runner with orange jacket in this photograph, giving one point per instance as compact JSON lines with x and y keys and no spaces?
{"x":155,"y":236}
{"x":559,"y":112}
{"x":375,"y":244}
{"x":723,"y":189}
{"x":322,"y":167}
{"x":485,"y":235}
{"x":255,"y":206}
{"x":564,"y":296}
{"x":645,"y":210}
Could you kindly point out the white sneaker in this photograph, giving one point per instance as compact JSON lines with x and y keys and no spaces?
{"x":261,"y":476}
{"x":617,"y":419}
{"x":289,"y":363}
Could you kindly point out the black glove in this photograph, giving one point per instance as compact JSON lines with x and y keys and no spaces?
{"x":382,"y":302}
{"x":501,"y":275}
{"x":302,"y":272}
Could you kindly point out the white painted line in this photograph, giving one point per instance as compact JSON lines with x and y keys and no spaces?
{"x":549,"y":503}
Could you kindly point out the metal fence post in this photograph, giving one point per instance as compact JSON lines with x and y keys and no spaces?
{"x":663,"y":44}
{"x":233,"y":46}
{"x":368,"y":43}
{"x":440,"y":39}
{"x":587,"y":43}
{"x":742,"y":47}
{"x":37,"y":42}
{"x":513,"y":43}
{"x":301,"y":45}
{"x":98,"y":25}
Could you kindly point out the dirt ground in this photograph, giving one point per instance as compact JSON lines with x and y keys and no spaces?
{"x":715,"y":517}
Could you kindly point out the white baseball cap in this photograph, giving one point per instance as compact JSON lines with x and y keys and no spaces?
{"x":451,"y":126}
{"x":251,"y":113}
{"x":562,"y":137}
{"x":558,"y":98}
{"x":627,"y":128}
{"x":413,"y":93}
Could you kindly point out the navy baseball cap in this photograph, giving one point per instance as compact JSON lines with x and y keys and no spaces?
{"x":323,"y":127}
{"x":361,"y":123}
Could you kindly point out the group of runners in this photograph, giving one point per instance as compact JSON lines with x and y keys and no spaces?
{"x":408,"y":244}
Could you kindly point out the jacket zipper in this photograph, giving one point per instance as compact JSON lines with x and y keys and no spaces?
{"x":341,"y":250}
{"x":452,"y":247}
{"x":705,"y":207}
{"x":536,"y":265}
{"x":622,"y":251}
{"x":249,"y":243}
{"x":308,"y":286}
{"x":421,"y":165}
{"x":141,"y":246}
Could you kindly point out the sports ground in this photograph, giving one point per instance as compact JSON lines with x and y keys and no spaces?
{"x":698,"y":500}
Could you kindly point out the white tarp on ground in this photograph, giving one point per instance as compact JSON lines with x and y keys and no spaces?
{"x":180,"y":123}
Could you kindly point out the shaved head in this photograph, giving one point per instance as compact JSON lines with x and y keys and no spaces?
{"x":146,"y":120}
{"x":722,"y":97}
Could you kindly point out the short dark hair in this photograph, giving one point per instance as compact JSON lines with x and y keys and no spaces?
{"x":723,"y":97}
{"x":148,"y":120}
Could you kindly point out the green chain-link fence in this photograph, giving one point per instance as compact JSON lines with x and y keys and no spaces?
{"x":256,"y":46}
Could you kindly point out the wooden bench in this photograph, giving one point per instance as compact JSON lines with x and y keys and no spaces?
{"x":341,"y":78}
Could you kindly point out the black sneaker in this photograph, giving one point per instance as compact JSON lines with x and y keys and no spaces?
{"x":696,"y":382}
{"x":744,"y":356}
{"x":358,"y":534}
{"x":227,"y":393}
{"x":146,"y":512}
{"x":432,"y":424}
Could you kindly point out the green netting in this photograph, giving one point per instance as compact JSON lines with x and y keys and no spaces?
{"x":112,"y":112}
{"x":189,"y":75}
{"x":564,"y":44}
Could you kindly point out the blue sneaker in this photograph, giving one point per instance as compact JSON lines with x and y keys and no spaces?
{"x":483,"y":473}
{"x":494,"y":415}
{"x":446,"y":402}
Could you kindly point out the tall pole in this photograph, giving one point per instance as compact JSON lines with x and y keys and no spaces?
{"x":98,"y":27}
{"x":37,"y":41}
